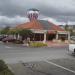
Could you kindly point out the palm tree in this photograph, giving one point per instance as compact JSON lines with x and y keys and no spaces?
{"x":14,"y":32}
{"x":11,"y":32}
{"x":25,"y":33}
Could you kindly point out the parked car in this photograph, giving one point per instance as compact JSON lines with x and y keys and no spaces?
{"x":72,"y":48}
{"x":72,"y":38}
{"x":2,"y":37}
{"x":8,"y":39}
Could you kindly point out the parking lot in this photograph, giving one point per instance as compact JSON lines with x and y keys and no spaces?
{"x":46,"y":67}
{"x":38,"y":61}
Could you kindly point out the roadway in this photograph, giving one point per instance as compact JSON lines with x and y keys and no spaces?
{"x":14,"y":53}
{"x":38,"y":61}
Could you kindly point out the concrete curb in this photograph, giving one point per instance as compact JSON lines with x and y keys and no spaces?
{"x":58,"y":46}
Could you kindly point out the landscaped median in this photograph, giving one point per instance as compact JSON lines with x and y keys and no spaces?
{"x":38,"y":44}
{"x":4,"y":70}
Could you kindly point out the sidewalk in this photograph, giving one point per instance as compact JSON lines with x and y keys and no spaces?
{"x":54,"y":44}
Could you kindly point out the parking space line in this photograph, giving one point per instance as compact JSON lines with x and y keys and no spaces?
{"x":49,"y":62}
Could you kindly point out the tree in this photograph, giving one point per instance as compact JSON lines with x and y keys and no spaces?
{"x":5,"y":30}
{"x":22,"y":32}
{"x":25,"y":33}
{"x":13,"y":31}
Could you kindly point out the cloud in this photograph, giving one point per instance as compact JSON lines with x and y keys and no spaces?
{"x":16,"y":7}
{"x":55,"y":9}
{"x":47,"y":7}
{"x":53,"y":21}
{"x":7,"y":21}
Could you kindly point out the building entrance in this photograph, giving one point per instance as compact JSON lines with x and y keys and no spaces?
{"x":51,"y":37}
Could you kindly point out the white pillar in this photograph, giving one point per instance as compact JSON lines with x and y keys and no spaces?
{"x":44,"y":41}
{"x":14,"y":36}
{"x":18,"y":36}
{"x":68,"y":36}
{"x":57,"y":36}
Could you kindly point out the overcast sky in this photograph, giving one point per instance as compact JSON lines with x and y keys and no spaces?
{"x":13,"y":12}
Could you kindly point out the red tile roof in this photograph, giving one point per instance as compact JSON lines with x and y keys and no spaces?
{"x":40,"y":24}
{"x":31,"y":25}
{"x":57,"y":28}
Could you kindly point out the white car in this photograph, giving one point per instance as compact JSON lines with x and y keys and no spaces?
{"x":72,"y":38}
{"x":72,"y":48}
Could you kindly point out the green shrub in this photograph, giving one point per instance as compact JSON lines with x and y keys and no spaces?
{"x":37,"y":44}
{"x":2,"y":66}
{"x":4,"y":69}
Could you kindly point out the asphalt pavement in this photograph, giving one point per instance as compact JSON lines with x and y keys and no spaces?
{"x":44,"y":68}
{"x":14,"y":53}
{"x":38,"y":61}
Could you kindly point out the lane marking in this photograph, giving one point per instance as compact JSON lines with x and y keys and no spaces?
{"x":59,"y":66}
{"x":7,"y":47}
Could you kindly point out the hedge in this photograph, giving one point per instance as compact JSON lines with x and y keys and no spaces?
{"x":37,"y":44}
{"x":4,"y":70}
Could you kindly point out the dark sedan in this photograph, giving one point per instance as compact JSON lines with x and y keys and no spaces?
{"x":8,"y":39}
{"x":2,"y":37}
